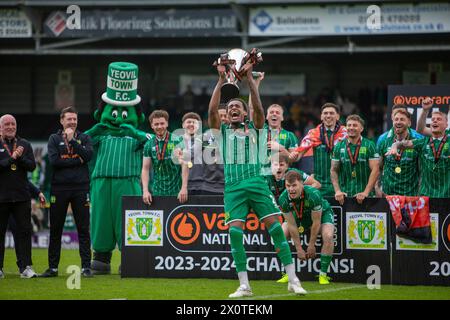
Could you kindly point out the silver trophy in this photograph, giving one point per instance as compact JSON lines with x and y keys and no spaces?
{"x":233,"y":60}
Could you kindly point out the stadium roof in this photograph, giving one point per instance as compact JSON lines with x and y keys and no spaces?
{"x":41,"y":43}
{"x":129,"y":3}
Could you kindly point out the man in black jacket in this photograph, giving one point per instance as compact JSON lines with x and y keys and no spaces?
{"x":69,"y":152}
{"x":16,"y":159}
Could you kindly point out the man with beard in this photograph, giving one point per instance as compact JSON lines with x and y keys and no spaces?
{"x":202,"y":157}
{"x":160,"y":153}
{"x":305,"y":209}
{"x":245,"y":187}
{"x":390,"y":133}
{"x":69,"y":152}
{"x":322,"y":139}
{"x":16,"y":160}
{"x":169,"y":178}
{"x":399,"y":174}
{"x":355,"y":163}
{"x":434,"y":158}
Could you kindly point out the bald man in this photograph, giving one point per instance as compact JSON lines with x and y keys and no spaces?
{"x":16,"y":160}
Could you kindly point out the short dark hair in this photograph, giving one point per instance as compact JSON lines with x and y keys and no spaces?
{"x":355,"y":117}
{"x":191,"y":115}
{"x":67,"y":110}
{"x":222,"y":106}
{"x":330,"y":105}
{"x":158,"y":114}
{"x":292,"y":176}
{"x":240,"y":100}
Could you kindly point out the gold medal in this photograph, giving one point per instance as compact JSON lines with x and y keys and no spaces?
{"x":190,"y":164}
{"x":301,"y":229}
{"x":353,"y":174}
{"x":398,"y":170}
{"x":13,"y":167}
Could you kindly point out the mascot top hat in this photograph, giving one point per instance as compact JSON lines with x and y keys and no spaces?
{"x":122,"y":84}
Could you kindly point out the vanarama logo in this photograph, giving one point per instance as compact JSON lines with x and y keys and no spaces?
{"x":446,"y":232}
{"x":417,"y":100}
{"x":201,"y":228}
{"x":185,"y":228}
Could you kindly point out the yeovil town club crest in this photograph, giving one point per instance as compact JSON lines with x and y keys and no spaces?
{"x":143,"y":228}
{"x":366,"y":230}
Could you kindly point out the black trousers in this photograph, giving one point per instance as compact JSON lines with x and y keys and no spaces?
{"x":21,"y":212}
{"x":79,"y":200}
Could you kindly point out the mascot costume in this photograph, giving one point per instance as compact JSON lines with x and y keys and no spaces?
{"x":117,"y":167}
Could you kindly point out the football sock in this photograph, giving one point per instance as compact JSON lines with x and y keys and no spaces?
{"x":325,"y":260}
{"x":243,"y":278}
{"x":237,"y":248}
{"x":281,"y":245}
{"x":290,"y":270}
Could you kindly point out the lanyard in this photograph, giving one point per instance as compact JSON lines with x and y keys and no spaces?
{"x":163,"y":152}
{"x":324,"y":136}
{"x":302,"y":202}
{"x":354,"y":157}
{"x":5,"y":145}
{"x":66,"y":142}
{"x":277,"y":190}
{"x":437,"y":155}
{"x":269,"y":135}
{"x":398,"y":157}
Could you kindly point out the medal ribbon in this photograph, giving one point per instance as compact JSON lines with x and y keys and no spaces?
{"x":354,"y":157}
{"x":5,"y":145}
{"x":324,"y":136}
{"x":277,"y":190}
{"x":398,"y":157}
{"x":163,"y":152}
{"x":437,"y":155}
{"x":302,"y":202}
{"x":269,"y":134}
{"x":66,"y":142}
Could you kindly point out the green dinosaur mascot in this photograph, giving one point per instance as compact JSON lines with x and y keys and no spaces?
{"x":117,"y":168}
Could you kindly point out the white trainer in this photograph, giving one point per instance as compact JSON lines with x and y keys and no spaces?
{"x":296,"y":287}
{"x":242,"y":291}
{"x":28,"y":273}
{"x":2,"y":275}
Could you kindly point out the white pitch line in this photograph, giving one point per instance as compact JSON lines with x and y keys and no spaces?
{"x":309,"y":292}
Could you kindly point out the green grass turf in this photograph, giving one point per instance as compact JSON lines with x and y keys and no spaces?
{"x":113,"y":287}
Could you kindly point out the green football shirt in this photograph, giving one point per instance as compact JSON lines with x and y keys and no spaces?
{"x":353,"y":179}
{"x":435,"y":175}
{"x":127,"y":161}
{"x":166,"y":174}
{"x":278,"y":186}
{"x":312,"y":201}
{"x":322,"y":167}
{"x":240,"y":152}
{"x":399,"y":176}
{"x":284,"y":137}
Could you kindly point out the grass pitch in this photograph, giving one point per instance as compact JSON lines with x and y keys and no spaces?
{"x":113,"y":287}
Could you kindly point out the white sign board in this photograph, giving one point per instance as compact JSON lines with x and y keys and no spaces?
{"x":14,"y":24}
{"x":350,"y":19}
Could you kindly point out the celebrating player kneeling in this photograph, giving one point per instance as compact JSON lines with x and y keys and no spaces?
{"x":304,"y":208}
